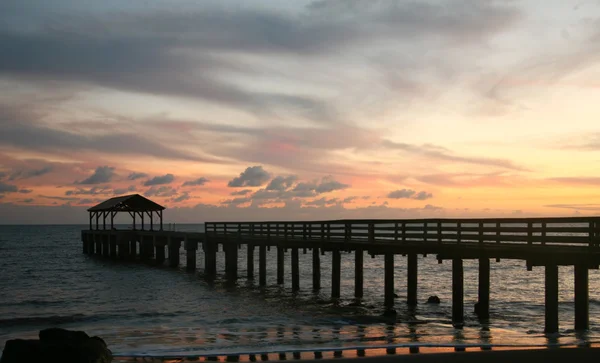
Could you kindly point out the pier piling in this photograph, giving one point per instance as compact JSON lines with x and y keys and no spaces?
{"x":231,"y":256}
{"x":280,"y":265}
{"x":295,"y":270}
{"x":412,"y":278}
{"x":336,"y":266}
{"x":358,"y":273}
{"x":210,"y":258}
{"x":316,"y":267}
{"x":551,"y":297}
{"x":173,"y":246}
{"x":250,"y":261}
{"x":483,"y":303}
{"x":262,"y":268}
{"x":581,"y":297}
{"x":190,"y":250}
{"x":389,"y":280}
{"x":458,"y":313}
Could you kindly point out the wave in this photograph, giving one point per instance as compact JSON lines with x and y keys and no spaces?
{"x":44,"y":320}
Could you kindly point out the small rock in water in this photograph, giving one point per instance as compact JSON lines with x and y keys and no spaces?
{"x":57,"y":345}
{"x":433,"y":300}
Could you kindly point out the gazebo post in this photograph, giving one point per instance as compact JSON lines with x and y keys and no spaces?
{"x":91,"y":223}
{"x":151,"y":214}
{"x":112,"y":220}
{"x":161,"y":220}
{"x":104,"y":214}
{"x":142,"y":217}
{"x":97,"y":221}
{"x":133,"y":215}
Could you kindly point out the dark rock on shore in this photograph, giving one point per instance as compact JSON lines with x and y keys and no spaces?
{"x":57,"y":345}
{"x":433,"y":300}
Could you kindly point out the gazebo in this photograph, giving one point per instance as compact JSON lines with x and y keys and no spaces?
{"x":133,"y":204}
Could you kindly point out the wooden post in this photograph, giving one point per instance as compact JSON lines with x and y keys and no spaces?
{"x":160,"y":253}
{"x":316,"y":266}
{"x":581,"y":297}
{"x":210,"y":258}
{"x":190,"y":248}
{"x":358,"y":273}
{"x":551,"y":297}
{"x":133,"y":248}
{"x":91,"y":218}
{"x":173,"y":252}
{"x":295,"y":270}
{"x":412,"y":277}
{"x":336,"y":267}
{"x":250,"y":261}
{"x":280,"y":265}
{"x":262,"y":268}
{"x":483,"y":303}
{"x":457,"y":292}
{"x":231,"y":254}
{"x":389,"y":280}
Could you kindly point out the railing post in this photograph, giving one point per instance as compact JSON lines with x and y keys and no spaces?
{"x":480,"y":232}
{"x":439,"y":231}
{"x":458,"y":232}
{"x":403,"y":231}
{"x":498,"y":233}
{"x":544,"y":233}
{"x":285,"y":231}
{"x":322,"y":231}
{"x":304,"y":231}
{"x":347,"y":232}
{"x":371,"y":232}
{"x":529,"y":233}
{"x":396,"y":231}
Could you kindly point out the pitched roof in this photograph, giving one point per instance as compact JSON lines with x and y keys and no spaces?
{"x":127,"y":203}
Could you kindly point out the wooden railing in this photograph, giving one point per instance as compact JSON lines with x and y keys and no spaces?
{"x":539,"y":231}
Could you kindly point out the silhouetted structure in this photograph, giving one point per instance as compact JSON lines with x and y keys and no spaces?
{"x":133,"y":204}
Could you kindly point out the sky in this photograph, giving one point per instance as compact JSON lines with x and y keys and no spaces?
{"x":300,"y":110}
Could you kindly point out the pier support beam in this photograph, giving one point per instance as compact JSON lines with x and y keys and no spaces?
{"x":173,"y":246}
{"x":113,"y":246}
{"x":210,"y":258}
{"x":458,"y":311}
{"x":336,"y":274}
{"x":389,"y":280}
{"x":358,"y":273}
{"x":551,"y":298}
{"x":231,"y":264}
{"x":316,"y":267}
{"x":295,"y":270}
{"x":160,"y":253}
{"x":280,"y":265}
{"x":262,"y":268}
{"x":412,"y":278}
{"x":250,"y":261}
{"x":483,"y":304}
{"x":190,"y":250}
{"x":581,"y":297}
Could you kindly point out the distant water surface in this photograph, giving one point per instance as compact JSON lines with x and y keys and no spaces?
{"x":47,"y":281}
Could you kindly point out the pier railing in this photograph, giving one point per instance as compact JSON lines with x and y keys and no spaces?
{"x":531,"y":231}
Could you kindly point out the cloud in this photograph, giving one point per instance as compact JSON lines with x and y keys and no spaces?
{"x":103,"y":174}
{"x":579,"y":180}
{"x":585,"y":206}
{"x":241,"y":192}
{"x":28,"y":200}
{"x":183,"y":197}
{"x":25,"y":191}
{"x":253,"y":176}
{"x":122,"y":191}
{"x":24,"y":174}
{"x":162,"y":191}
{"x":197,"y":182}
{"x":136,"y":176}
{"x":8,"y":188}
{"x":328,"y":184}
{"x":409,"y":194}
{"x":159,"y":180}
{"x":91,"y":191}
{"x":440,"y":153}
{"x":282,"y":183}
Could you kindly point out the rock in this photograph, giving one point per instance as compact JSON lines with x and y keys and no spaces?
{"x":433,"y":300}
{"x":57,"y":345}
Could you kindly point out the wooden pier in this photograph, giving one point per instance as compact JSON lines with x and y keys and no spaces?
{"x":548,"y":242}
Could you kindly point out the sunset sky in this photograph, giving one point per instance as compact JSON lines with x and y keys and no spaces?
{"x":258,"y":110}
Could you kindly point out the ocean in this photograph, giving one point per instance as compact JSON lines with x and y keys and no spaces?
{"x":46,"y":281}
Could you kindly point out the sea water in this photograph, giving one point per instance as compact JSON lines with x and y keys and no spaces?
{"x":46,"y":281}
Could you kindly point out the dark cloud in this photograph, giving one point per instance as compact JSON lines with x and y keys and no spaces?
{"x":24,"y":174}
{"x":8,"y":188}
{"x":440,"y":153}
{"x":162,"y":191}
{"x":328,"y":184}
{"x":578,"y":180}
{"x":182,"y":197}
{"x":241,"y":192}
{"x":23,"y":129}
{"x":282,"y":183}
{"x":122,"y":191}
{"x":91,"y":191}
{"x":28,"y":200}
{"x":51,"y":197}
{"x":103,"y":174}
{"x":25,"y":191}
{"x":136,"y":176}
{"x":409,"y":194}
{"x":196,"y":182}
{"x":253,"y":176}
{"x":322,"y":202}
{"x":159,"y":180}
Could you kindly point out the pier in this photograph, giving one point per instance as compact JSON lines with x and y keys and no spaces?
{"x":547,"y":242}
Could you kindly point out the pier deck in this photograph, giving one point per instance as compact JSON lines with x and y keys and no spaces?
{"x":547,"y":242}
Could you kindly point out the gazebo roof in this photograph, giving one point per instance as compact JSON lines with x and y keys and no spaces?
{"x":127,"y":203}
